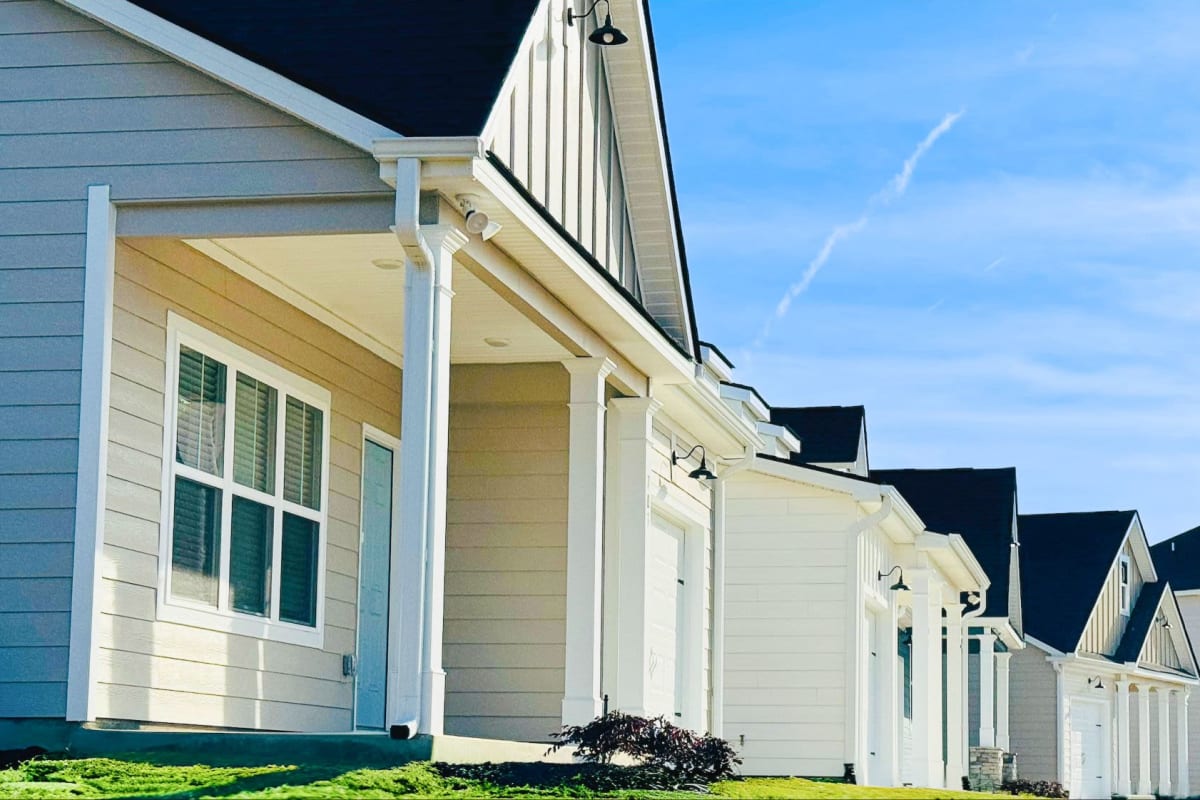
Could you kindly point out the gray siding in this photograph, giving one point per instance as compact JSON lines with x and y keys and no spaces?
{"x":1033,"y":712}
{"x":83,"y":105}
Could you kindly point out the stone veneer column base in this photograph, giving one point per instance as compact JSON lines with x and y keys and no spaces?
{"x":987,"y":771}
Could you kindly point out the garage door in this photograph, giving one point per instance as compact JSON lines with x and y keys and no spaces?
{"x":665,"y":613}
{"x":1089,"y":767}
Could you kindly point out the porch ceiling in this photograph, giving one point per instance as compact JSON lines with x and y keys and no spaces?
{"x":334,"y":278}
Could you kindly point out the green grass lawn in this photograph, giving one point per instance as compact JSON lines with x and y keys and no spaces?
{"x":111,"y":778}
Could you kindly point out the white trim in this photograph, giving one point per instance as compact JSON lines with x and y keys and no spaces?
{"x":181,"y":331}
{"x":91,"y":486}
{"x":1188,"y":593}
{"x":372,"y":434}
{"x":240,"y":73}
{"x":1040,"y":645}
{"x":1124,"y":585}
{"x":695,"y":542}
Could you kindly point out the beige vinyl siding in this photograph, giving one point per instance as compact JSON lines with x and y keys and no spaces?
{"x":1159,"y":648}
{"x":695,"y":496}
{"x":1107,"y":624}
{"x":1033,"y":712}
{"x":83,"y":105}
{"x":158,"y":671}
{"x":1189,"y":609}
{"x":506,"y":551}
{"x":786,"y":636}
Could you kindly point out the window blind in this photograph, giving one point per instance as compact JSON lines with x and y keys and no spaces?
{"x":302,"y":454}
{"x":298,"y":571}
{"x":250,"y":556}
{"x":200,"y":432}
{"x":196,"y":541}
{"x":254,"y":434}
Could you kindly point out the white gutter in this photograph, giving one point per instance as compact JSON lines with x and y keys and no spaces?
{"x":718,"y":644}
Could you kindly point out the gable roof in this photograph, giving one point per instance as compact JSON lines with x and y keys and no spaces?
{"x":979,"y":504}
{"x":1065,"y":560}
{"x":827,"y":434}
{"x":423,"y":69}
{"x":1178,"y":560}
{"x":1141,"y":617}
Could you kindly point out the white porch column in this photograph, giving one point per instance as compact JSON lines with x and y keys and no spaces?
{"x":1124,"y":784}
{"x":1144,"y":786}
{"x":928,"y":769}
{"x":1164,"y":742}
{"x":987,"y":689}
{"x":956,"y":733}
{"x":1182,"y":780}
{"x":585,"y":539}
{"x":1002,"y":700}
{"x":629,"y":520}
{"x":891,"y":694}
{"x":419,"y":562}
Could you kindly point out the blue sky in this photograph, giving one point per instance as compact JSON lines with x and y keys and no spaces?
{"x":1031,"y":299}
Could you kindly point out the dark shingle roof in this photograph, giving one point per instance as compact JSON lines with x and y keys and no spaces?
{"x":1178,"y":560}
{"x":1065,"y":559}
{"x":827,"y":434}
{"x":1141,"y":618}
{"x":979,"y":505}
{"x":429,"y":68}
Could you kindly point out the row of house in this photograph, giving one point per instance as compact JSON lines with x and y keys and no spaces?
{"x":351,"y":382}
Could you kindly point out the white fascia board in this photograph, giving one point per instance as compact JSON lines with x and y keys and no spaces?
{"x":716,"y":363}
{"x":1188,"y":593}
{"x":1040,"y":645}
{"x":955,"y":558}
{"x":798,"y":473}
{"x":1003,"y":628}
{"x":706,"y":406}
{"x":758,"y":409}
{"x":782,"y":434}
{"x":1141,"y":549}
{"x":425,"y":148}
{"x":906,"y":513}
{"x":234,"y":70}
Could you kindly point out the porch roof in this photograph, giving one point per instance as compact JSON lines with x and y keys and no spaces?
{"x":1140,"y":619}
{"x":976,"y":503}
{"x":422,"y":69}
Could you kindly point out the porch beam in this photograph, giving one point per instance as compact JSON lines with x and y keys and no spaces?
{"x":585,"y":538}
{"x":419,"y":560}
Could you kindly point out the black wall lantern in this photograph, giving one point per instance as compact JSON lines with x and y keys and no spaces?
{"x":607,"y":35}
{"x":1096,"y":683}
{"x":898,"y":586}
{"x":700,"y":473}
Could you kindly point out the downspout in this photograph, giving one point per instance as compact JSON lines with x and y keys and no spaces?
{"x":408,"y":232}
{"x":718,"y":645}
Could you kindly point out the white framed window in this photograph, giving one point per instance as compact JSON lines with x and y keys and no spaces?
{"x":245,"y":491}
{"x":1123,"y":581}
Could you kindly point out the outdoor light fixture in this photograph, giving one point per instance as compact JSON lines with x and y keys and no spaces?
{"x":477,"y":222}
{"x":700,"y":473}
{"x":607,"y":35}
{"x":1161,"y":619}
{"x":898,"y":586}
{"x":1095,"y":682}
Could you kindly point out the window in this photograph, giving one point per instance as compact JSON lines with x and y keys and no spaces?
{"x":244,"y":492}
{"x":1123,"y":581}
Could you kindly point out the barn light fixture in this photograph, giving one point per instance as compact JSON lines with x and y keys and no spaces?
{"x":1162,"y":620}
{"x":1096,"y":683}
{"x":898,"y":586}
{"x":607,"y":35}
{"x":700,"y":473}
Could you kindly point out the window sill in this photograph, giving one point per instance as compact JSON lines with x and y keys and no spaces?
{"x":242,"y":625}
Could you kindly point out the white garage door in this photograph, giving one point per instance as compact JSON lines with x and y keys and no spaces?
{"x":665,"y":614}
{"x":1089,"y":767}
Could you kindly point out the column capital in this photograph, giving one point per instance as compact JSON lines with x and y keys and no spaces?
{"x":587,"y":378}
{"x":447,"y":238}
{"x":953,"y":612}
{"x":1002,"y":657}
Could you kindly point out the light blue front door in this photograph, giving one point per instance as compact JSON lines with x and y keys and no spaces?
{"x":379,"y":464}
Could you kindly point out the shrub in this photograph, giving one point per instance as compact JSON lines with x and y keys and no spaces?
{"x":1037,"y":788}
{"x":568,"y":779}
{"x":683,"y":757}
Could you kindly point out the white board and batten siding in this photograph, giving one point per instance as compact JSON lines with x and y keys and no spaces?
{"x":1107,"y":624}
{"x":168,"y":672}
{"x":506,"y":551}
{"x":125,"y":115}
{"x":788,"y":600}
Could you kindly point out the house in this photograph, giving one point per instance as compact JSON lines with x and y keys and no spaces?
{"x":1177,"y":560}
{"x":348,"y":386}
{"x":842,"y":611}
{"x":981,"y":506}
{"x":1099,"y":698}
